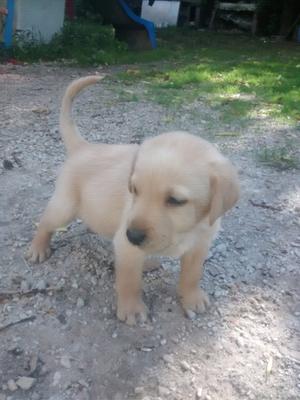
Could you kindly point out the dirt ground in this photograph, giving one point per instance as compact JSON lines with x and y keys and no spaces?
{"x":58,"y":323}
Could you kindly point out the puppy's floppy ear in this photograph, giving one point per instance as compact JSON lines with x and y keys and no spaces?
{"x":224,"y":189}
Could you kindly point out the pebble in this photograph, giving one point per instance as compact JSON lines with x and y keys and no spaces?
{"x":114,"y":335}
{"x":33,"y":362}
{"x":239,"y":341}
{"x":80,"y":302}
{"x":198,"y":395}
{"x":24,"y":286}
{"x":25,"y":382}
{"x":168,"y":358}
{"x":75,"y":285}
{"x":83,"y":383}
{"x":163,"y":342}
{"x":213,"y":271}
{"x":41,"y":285}
{"x":146,"y":349}
{"x":190,"y":314}
{"x":221,"y":248}
{"x":65,"y":362}
{"x":163,"y":391}
{"x":56,"y":378}
{"x":139,"y":390}
{"x":11,"y":384}
{"x":185,"y":366}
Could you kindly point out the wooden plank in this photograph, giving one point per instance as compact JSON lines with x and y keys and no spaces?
{"x":236,"y":6}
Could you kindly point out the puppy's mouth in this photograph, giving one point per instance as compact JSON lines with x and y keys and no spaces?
{"x":141,"y":240}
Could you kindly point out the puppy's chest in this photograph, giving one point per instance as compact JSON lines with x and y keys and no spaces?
{"x":185,"y":242}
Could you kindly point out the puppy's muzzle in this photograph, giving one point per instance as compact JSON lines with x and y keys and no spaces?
{"x":136,"y":236}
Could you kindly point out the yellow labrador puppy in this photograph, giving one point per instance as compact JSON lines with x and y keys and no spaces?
{"x":164,"y":197}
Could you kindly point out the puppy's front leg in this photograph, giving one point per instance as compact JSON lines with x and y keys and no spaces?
{"x":193,"y":298}
{"x":129,"y":262}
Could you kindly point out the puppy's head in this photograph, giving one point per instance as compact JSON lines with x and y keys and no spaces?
{"x":177,"y":182}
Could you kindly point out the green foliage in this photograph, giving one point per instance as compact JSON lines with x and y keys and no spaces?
{"x":241,"y":76}
{"x":84,"y":43}
{"x":280,"y":157}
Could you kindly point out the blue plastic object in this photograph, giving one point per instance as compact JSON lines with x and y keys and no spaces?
{"x":9,"y":24}
{"x":148,"y":25}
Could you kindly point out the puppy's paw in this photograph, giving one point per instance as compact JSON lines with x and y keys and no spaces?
{"x":131,"y":310}
{"x":38,"y":253}
{"x":194,"y":302}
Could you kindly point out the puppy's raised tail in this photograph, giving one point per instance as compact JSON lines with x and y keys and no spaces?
{"x":68,"y":128}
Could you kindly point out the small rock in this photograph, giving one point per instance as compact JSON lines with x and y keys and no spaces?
{"x":213,"y":271}
{"x":163,"y":342}
{"x":190,"y":314}
{"x":163,"y":391}
{"x":24,"y":286}
{"x":198,"y":395}
{"x":56,"y":378}
{"x":239,"y":341}
{"x":80,"y":302}
{"x":114,"y":335}
{"x":221,"y":248}
{"x":139,"y":390}
{"x":33,"y":362}
{"x":11,"y":384}
{"x":168,"y":358}
{"x":185,"y":366}
{"x":146,"y":349}
{"x":83,"y":383}
{"x":36,"y":396}
{"x":15,"y":350}
{"x":41,"y":285}
{"x":7,"y":164}
{"x":65,"y":362}
{"x":62,"y":319}
{"x":218,"y":293}
{"x":25,"y":382}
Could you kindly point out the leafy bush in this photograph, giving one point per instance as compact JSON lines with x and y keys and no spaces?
{"x":86,"y":43}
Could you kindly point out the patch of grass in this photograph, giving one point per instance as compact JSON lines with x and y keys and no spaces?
{"x":188,"y":65}
{"x":234,"y":109}
{"x":280,"y":157}
{"x":127,"y":96}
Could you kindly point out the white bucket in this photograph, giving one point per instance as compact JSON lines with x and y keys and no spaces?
{"x":161,"y":13}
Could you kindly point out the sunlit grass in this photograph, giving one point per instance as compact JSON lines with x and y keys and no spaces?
{"x":190,"y":65}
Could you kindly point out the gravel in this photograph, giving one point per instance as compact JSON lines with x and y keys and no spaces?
{"x":75,"y":348}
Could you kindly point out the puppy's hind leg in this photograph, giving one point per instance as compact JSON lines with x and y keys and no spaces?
{"x":60,"y":211}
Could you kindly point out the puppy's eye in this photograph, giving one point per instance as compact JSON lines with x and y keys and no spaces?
{"x":172,"y":201}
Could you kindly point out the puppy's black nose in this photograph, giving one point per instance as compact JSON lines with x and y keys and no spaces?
{"x":136,"y":236}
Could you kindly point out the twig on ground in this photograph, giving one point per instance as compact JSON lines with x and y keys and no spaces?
{"x":264,"y":205}
{"x":10,"y":294}
{"x":19,"y":321}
